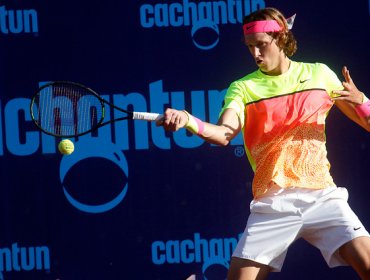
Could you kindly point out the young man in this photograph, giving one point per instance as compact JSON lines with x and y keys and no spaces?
{"x":281,"y":110}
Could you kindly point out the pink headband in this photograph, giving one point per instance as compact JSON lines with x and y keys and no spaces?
{"x":261,"y":26}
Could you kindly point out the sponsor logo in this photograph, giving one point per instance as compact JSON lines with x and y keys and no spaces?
{"x":16,"y":258}
{"x":204,"y":17}
{"x":18,"y":21}
{"x":304,"y":80}
{"x":20,"y":137}
{"x":90,"y":148}
{"x":209,"y":252}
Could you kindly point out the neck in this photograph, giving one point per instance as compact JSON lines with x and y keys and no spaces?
{"x":281,"y":68}
{"x":285,"y":64}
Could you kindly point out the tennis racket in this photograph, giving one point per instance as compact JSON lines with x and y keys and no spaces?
{"x":67,"y":109}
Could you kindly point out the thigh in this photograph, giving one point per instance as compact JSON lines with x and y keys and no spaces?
{"x":267,"y":237}
{"x":329,"y":225}
{"x":242,"y":269}
{"x":357,"y":254}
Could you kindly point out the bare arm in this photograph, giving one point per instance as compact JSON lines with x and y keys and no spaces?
{"x":348,"y":98}
{"x":227,"y":128}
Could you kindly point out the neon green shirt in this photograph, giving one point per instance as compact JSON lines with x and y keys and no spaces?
{"x":283,"y":119}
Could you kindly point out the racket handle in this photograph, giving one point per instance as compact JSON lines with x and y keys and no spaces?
{"x":146,"y":116}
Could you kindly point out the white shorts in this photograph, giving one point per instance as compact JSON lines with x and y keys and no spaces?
{"x":321,"y":217}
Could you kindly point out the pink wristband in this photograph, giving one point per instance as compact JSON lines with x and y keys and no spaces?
{"x":200,"y":125}
{"x":194,"y":125}
{"x":363,"y":110}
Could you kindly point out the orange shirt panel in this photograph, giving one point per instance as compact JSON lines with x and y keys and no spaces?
{"x":286,"y":139}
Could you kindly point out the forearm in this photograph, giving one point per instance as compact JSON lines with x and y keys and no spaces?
{"x":217,"y":134}
{"x":357,"y":112}
{"x":221,"y":133}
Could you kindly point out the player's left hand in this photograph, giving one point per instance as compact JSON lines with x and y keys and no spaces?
{"x":350,"y":93}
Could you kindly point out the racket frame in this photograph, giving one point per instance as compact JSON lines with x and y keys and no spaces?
{"x":102,"y":102}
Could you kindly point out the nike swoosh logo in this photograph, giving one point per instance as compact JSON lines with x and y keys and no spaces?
{"x":305,"y":80}
{"x":249,"y":27}
{"x":356,"y":228}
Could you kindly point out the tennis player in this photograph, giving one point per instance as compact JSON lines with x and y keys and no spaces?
{"x":281,"y":110}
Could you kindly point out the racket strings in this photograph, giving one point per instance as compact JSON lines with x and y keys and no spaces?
{"x":67,"y":109}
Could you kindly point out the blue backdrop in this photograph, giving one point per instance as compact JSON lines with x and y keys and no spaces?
{"x":134,"y":202}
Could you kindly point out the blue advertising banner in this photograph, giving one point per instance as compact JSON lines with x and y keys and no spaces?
{"x":133,"y":201}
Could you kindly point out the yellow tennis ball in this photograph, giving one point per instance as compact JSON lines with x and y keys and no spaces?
{"x":66,"y":147}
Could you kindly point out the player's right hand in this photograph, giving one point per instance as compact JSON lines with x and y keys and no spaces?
{"x":173,"y":119}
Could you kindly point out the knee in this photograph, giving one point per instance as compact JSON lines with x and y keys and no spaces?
{"x":247,"y":269}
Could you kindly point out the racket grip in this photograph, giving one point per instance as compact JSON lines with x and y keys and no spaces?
{"x":146,"y":116}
